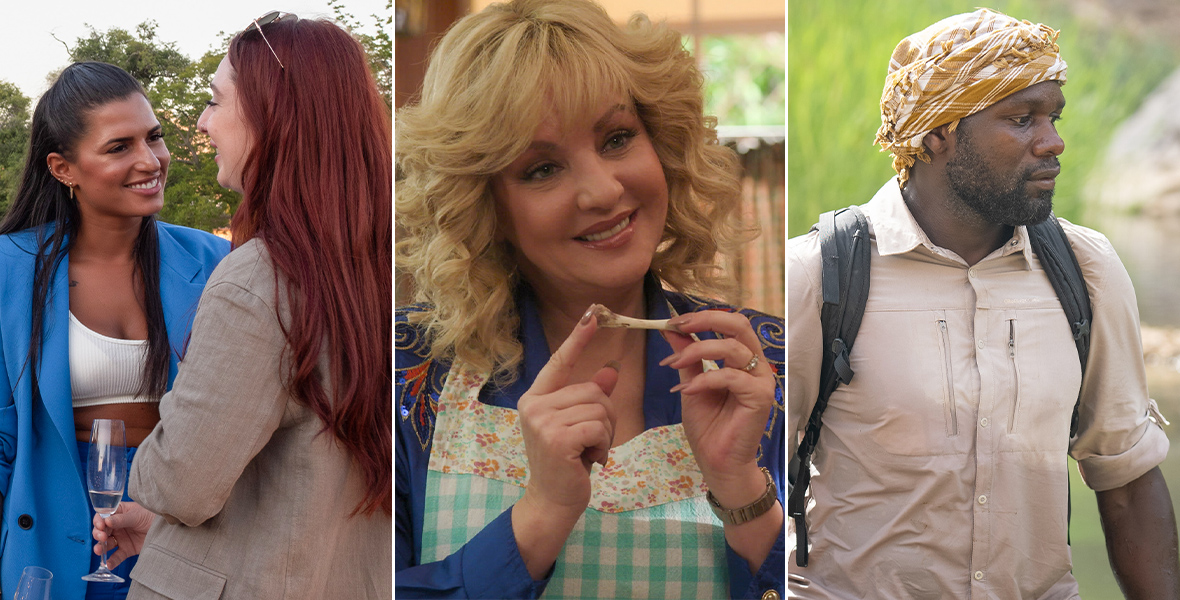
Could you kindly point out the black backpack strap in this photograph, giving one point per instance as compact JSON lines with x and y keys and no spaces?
{"x":845,"y":254}
{"x":1061,"y":266}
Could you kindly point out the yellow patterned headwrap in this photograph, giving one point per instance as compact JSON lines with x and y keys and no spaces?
{"x":956,"y":68}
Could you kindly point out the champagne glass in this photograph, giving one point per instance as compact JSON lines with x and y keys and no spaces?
{"x":106,"y":476}
{"x":34,"y":584}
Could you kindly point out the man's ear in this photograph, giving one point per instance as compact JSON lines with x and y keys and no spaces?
{"x":940,"y":140}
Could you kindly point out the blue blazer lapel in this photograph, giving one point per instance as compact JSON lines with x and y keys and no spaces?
{"x":180,"y":289}
{"x":53,"y":369}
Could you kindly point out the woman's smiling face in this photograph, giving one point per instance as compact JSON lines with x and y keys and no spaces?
{"x":584,"y":206}
{"x":223,"y":122}
{"x":119,"y":166}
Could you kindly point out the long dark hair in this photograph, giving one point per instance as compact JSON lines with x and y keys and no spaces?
{"x":318,"y":190}
{"x":42,"y":202}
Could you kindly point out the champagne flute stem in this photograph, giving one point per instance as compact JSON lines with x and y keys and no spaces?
{"x":102,"y":564}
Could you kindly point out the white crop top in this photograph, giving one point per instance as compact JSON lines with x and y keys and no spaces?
{"x":104,"y":370}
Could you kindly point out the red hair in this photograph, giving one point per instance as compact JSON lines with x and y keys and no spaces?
{"x":317,"y":188}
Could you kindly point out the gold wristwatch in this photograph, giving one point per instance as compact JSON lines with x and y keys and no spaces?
{"x":749,"y":512}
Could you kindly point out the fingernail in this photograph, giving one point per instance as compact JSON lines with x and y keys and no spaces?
{"x":586,"y":317}
{"x":613,"y":364}
{"x":679,"y":320}
{"x":678,"y":387}
{"x":671,"y":358}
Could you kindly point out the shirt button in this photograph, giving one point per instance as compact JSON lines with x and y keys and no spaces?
{"x":978,"y":575}
{"x":982,"y":499}
{"x":979,"y":344}
{"x":983,"y":422}
{"x":971,"y":273}
{"x":770,"y":595}
{"x":25,"y":522}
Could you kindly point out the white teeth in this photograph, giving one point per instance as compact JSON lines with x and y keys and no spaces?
{"x":147,"y":185}
{"x":594,"y":237}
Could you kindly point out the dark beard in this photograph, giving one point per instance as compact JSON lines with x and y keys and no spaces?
{"x":991,"y":195}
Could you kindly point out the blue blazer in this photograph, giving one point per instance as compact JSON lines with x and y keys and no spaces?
{"x":46,"y":513}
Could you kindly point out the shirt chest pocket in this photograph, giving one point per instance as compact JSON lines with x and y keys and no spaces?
{"x":1038,"y":379}
{"x":912,"y":385}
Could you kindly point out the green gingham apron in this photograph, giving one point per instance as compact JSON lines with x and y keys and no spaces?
{"x":648,"y":532}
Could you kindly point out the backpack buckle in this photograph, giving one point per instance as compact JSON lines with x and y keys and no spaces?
{"x":840,"y":361}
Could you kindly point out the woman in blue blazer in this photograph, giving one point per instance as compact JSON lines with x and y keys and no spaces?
{"x":96,"y":301}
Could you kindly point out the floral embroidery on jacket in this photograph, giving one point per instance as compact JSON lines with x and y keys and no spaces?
{"x":418,"y":381}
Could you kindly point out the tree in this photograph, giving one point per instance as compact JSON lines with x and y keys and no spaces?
{"x":142,"y":54}
{"x":14,"y":139}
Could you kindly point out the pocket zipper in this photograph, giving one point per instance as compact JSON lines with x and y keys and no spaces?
{"x":1015,"y":374}
{"x":952,"y":420}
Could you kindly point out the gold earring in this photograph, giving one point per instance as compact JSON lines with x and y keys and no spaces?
{"x":71,"y":192}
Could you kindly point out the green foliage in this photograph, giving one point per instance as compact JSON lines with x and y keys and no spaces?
{"x":838,"y":57}
{"x":14,"y":140}
{"x":745,"y":78}
{"x":142,"y":54}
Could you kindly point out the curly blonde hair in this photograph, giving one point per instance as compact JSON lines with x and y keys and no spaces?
{"x":489,"y":81}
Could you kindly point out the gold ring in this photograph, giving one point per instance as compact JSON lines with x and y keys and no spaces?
{"x":750,"y":366}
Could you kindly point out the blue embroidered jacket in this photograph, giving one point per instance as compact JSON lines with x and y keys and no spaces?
{"x":490,"y":565}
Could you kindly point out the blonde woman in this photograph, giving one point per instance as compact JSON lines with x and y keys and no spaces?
{"x":554,"y":161}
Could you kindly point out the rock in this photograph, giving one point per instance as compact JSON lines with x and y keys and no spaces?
{"x":1140,"y":172}
{"x":1161,"y":345}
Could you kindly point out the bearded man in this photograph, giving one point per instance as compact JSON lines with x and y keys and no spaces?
{"x":940,"y":470}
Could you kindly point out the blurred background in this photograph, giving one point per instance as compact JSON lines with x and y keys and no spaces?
{"x":1120,"y":170}
{"x":740,"y":45}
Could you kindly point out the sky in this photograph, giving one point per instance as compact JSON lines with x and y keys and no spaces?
{"x":29,"y":52}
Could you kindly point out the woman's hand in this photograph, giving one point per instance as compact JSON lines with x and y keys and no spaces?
{"x":724,"y":410}
{"x":566,"y":429}
{"x":126,"y":528}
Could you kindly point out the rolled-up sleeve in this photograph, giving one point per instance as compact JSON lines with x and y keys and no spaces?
{"x":1117,"y":441}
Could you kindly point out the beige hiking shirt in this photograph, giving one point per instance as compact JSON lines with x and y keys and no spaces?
{"x":941,"y":469}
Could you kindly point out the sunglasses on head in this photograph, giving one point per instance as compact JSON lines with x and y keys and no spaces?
{"x":271,"y":17}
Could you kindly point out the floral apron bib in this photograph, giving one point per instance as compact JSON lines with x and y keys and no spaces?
{"x":648,"y":532}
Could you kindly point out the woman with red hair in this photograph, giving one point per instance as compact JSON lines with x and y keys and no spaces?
{"x":269,"y":474}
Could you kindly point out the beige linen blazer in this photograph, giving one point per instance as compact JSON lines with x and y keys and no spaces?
{"x":254,"y":500}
